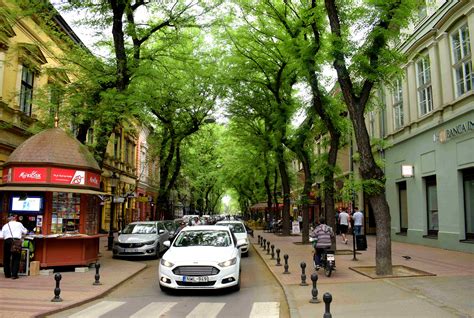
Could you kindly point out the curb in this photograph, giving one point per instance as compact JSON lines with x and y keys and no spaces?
{"x":97,"y":296}
{"x":292,"y":308}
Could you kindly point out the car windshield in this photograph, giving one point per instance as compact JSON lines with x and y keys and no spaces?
{"x":235,"y":227}
{"x":171,"y":225}
{"x":147,"y":228}
{"x":203,"y":238}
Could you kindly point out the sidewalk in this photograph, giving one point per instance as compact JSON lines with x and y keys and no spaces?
{"x":448,"y":294}
{"x":31,"y":296}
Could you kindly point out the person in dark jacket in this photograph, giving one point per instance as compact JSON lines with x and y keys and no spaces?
{"x":323,"y":235}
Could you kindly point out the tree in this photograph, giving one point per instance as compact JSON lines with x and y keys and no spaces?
{"x":372,"y":63}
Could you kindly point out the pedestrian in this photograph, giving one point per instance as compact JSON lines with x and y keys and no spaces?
{"x":358,"y":218}
{"x":344,"y":220}
{"x":11,"y":261}
{"x":322,"y":234}
{"x":338,"y":230}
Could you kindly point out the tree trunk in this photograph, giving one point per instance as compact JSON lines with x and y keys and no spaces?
{"x":285,"y":182}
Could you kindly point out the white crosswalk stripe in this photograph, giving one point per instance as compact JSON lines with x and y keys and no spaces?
{"x":98,"y":309}
{"x":206,"y":310}
{"x":153,"y":310}
{"x":265,"y":310}
{"x":165,"y":309}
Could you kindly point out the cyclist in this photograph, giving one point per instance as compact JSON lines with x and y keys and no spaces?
{"x":322,"y":234}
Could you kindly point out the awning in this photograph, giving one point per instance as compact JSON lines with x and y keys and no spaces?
{"x":51,"y":189}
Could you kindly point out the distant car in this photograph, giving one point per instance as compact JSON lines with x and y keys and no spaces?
{"x":240,"y":232}
{"x":201,"y":257}
{"x":141,"y":239}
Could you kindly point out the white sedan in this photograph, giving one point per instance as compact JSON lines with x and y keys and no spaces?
{"x":238,"y":228}
{"x":201,"y":257}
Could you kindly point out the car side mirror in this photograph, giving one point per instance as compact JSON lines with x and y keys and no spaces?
{"x":241,"y":243}
{"x":167,"y":244}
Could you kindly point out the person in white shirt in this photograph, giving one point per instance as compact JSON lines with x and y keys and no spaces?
{"x":10,"y":231}
{"x":358,"y":221}
{"x":344,"y":220}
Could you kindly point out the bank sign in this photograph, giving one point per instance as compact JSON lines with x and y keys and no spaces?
{"x":444,"y":135}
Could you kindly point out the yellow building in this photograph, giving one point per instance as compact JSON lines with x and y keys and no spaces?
{"x":29,"y":66}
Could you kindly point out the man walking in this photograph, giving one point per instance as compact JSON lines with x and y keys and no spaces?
{"x":344,"y":219}
{"x":10,"y":231}
{"x":358,"y":221}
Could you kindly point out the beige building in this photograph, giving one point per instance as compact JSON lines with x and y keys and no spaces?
{"x":428,"y":121}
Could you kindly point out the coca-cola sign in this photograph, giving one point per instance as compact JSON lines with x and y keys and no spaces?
{"x":29,"y":175}
{"x":93,"y":179}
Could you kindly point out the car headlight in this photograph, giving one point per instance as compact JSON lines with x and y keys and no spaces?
{"x":149,"y":243}
{"x":228,"y":263}
{"x":166,"y":263}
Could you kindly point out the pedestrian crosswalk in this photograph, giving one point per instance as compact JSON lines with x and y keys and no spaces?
{"x":165,"y":309}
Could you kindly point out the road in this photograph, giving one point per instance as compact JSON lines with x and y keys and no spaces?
{"x":260,"y":296}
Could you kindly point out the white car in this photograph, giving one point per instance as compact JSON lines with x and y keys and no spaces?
{"x":238,"y":228}
{"x":201,"y":257}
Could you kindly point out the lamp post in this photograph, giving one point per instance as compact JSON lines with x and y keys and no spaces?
{"x":113,"y":184}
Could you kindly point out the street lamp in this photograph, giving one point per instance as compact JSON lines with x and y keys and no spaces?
{"x":113,"y":184}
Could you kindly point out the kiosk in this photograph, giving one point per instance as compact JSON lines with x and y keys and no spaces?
{"x":52,"y":183}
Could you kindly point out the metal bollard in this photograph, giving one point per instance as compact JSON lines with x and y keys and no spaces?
{"x":259,"y":237}
{"x":264,"y":243}
{"x":268,"y":248}
{"x":278,"y":257}
{"x":286,"y":264}
{"x":327,"y":297}
{"x":97,"y":276}
{"x":314,"y":290}
{"x":57,"y":290}
{"x":273,"y":251}
{"x":303,"y":274}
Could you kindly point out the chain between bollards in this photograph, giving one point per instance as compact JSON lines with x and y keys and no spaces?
{"x":286,"y":264}
{"x":273,"y":251}
{"x":278,"y":257}
{"x":314,"y":290}
{"x":57,"y":290}
{"x":303,"y":274}
{"x":97,"y":275}
{"x":327,"y":297}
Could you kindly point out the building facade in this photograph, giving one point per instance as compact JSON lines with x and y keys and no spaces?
{"x":428,"y":120}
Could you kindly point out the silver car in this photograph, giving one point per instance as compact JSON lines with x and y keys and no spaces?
{"x":141,"y":239}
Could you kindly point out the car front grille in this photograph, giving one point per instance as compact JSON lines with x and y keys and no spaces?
{"x":192,"y":284}
{"x":130,"y":245}
{"x":196,"y":270}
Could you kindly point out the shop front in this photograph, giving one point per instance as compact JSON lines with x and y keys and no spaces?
{"x":52,"y":184}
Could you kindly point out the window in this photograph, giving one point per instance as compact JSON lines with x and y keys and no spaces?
{"x":422,"y":10}
{"x":26,"y":90}
{"x":425,"y":94}
{"x":117,"y":146}
{"x":468,"y":181}
{"x":403,"y":206}
{"x":462,"y":63}
{"x":432,"y":205}
{"x":398,"y":105}
{"x":143,"y":164}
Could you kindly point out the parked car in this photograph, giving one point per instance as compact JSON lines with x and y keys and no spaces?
{"x":240,"y":232}
{"x":141,"y":239}
{"x":201,"y":257}
{"x":173,"y":228}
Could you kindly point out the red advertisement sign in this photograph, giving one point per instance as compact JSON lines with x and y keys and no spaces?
{"x":7,"y":175}
{"x":68,"y":176}
{"x":29,"y":175}
{"x":93,"y":179}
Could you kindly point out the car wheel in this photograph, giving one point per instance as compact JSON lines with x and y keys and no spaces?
{"x":246,"y":254}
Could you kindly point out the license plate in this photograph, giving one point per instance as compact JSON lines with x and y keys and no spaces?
{"x":195,"y":279}
{"x":330,"y":257}
{"x":131,"y":250}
